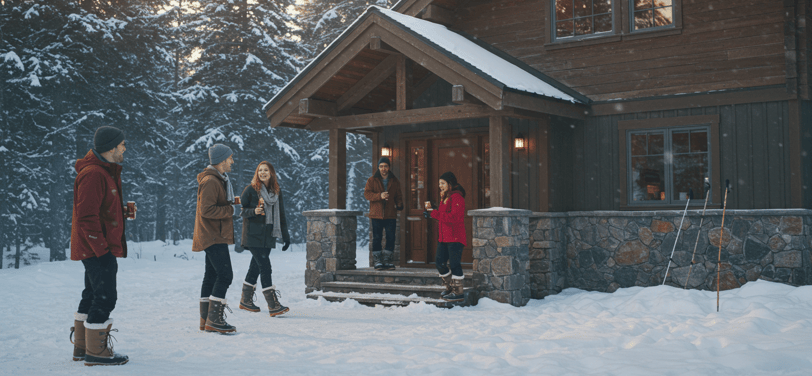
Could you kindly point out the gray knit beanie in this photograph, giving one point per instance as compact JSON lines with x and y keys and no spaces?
{"x":219,"y":153}
{"x":385,"y":160}
{"x":107,"y":138}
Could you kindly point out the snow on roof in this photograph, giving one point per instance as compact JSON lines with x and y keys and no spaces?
{"x":480,"y":58}
{"x":494,"y":66}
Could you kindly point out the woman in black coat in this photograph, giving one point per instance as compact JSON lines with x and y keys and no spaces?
{"x":263,"y":213}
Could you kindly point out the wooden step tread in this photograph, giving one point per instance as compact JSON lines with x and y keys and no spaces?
{"x":383,"y":286}
{"x":384,"y":299}
{"x":399,"y":272}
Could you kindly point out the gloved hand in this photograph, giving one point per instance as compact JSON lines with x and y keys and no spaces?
{"x":285,"y":247}
{"x":426,"y":214}
{"x":237,"y":210}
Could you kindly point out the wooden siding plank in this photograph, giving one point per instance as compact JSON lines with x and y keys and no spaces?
{"x":605,"y":156}
{"x":727,"y":151}
{"x":758,"y":128}
{"x":535,"y":189}
{"x":743,"y":183}
{"x":792,"y":154}
{"x":579,"y":183}
{"x":775,"y":156}
{"x":499,"y":141}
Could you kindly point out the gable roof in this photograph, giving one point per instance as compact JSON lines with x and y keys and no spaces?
{"x":501,"y":71}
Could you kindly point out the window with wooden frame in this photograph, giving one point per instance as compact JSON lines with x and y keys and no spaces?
{"x":662,"y":160}
{"x":585,"y":22}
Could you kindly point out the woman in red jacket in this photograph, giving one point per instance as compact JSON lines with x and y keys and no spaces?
{"x":450,"y":216}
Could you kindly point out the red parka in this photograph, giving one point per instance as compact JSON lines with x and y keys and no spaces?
{"x":451,"y":218}
{"x":97,"y":226}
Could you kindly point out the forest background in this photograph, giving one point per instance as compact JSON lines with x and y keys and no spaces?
{"x":176,"y":76}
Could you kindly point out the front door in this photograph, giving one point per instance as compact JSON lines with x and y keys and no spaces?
{"x":427,"y":160}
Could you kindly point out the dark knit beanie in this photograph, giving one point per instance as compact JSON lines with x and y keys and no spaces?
{"x":219,"y":153}
{"x":107,"y":138}
{"x":385,"y":160}
{"x":450,"y":179}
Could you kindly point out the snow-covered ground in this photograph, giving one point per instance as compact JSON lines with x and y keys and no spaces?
{"x":763,"y":328}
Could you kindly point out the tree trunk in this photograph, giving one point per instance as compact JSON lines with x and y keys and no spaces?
{"x":17,"y":239}
{"x":160,"y":213}
{"x":57,"y":233}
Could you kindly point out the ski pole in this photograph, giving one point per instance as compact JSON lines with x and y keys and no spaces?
{"x":721,"y":235}
{"x":701,"y":219}
{"x":690,"y":196}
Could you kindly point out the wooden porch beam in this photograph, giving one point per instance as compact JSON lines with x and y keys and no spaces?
{"x":317,"y":108}
{"x":338,"y":169}
{"x":403,"y":98}
{"x":544,"y":105}
{"x":375,"y":44}
{"x":499,"y":138}
{"x":438,"y":15}
{"x":415,"y":116}
{"x":365,"y":85}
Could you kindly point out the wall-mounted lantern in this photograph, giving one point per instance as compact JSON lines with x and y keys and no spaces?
{"x":386,"y":151}
{"x":518,"y":142}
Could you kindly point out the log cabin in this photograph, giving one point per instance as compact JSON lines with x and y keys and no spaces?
{"x":589,"y":125}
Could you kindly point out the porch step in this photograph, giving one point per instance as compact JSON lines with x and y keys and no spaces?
{"x":404,"y":276}
{"x":379,"y":299}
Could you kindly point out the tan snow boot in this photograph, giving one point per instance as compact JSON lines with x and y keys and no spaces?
{"x":272,"y":297}
{"x":77,"y":333}
{"x":447,"y":284}
{"x":100,"y":345}
{"x":458,"y":294}
{"x":216,"y":319}
{"x":204,"y":312}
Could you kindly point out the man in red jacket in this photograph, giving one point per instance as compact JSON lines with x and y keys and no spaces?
{"x":97,"y":238}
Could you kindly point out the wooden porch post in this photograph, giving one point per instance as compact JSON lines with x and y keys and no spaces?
{"x":338,"y":169}
{"x":499,"y":138}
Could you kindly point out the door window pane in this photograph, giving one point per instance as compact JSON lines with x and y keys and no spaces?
{"x":417,"y":176}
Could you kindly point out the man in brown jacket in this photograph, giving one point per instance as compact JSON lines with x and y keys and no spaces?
{"x":214,"y":231}
{"x":385,"y":200}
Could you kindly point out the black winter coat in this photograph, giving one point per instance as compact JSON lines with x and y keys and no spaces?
{"x":255,"y":233}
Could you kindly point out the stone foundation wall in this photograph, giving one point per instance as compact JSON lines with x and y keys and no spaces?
{"x":609,"y":250}
{"x":501,"y":242}
{"x":548,"y":247}
{"x":330,"y":245}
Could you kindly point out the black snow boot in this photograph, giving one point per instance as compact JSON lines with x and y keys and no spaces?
{"x":272,"y":297}
{"x":458,"y":294}
{"x":377,"y":261}
{"x":216,"y":318}
{"x":247,"y":300}
{"x":100,"y":345}
{"x":204,"y":312}
{"x":387,"y":260}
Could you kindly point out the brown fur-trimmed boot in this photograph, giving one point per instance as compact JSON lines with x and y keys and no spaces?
{"x":204,"y":312}
{"x":100,"y":345}
{"x":458,"y":294}
{"x":77,"y":335}
{"x":247,"y":299}
{"x":272,"y":297}
{"x":216,"y":318}
{"x":447,"y":284}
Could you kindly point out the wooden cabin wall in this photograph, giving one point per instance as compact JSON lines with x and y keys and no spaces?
{"x":806,"y":153}
{"x":561,"y":165}
{"x":526,"y":165}
{"x":722,"y":45}
{"x":754,"y":155}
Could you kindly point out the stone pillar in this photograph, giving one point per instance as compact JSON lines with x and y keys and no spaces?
{"x":548,"y":247}
{"x":330,"y":245}
{"x":501,"y":254}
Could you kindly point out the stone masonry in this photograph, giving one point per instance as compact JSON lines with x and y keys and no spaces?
{"x":609,"y":250}
{"x":501,"y":255}
{"x":331,"y":236}
{"x":548,"y":248}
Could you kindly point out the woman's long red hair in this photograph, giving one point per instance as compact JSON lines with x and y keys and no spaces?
{"x":273,"y":185}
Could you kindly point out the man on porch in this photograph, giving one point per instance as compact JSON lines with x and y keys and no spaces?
{"x":385,"y":200}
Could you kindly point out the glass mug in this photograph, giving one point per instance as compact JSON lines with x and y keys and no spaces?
{"x":131,"y":209}
{"x":237,"y":200}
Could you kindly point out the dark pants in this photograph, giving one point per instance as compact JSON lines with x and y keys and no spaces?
{"x":450,"y":253}
{"x":260,"y":266}
{"x":218,"y":274}
{"x":378,"y":226}
{"x":99,"y":296}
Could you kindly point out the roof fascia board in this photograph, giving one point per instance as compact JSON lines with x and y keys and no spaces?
{"x":324,"y":69}
{"x":411,"y":7}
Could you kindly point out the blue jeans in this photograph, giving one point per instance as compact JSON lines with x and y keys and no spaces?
{"x":260,"y":267}
{"x":451,"y":254}
{"x":218,"y":273}
{"x":378,"y":226}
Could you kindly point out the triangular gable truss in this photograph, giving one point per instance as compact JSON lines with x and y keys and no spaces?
{"x":478,"y":94}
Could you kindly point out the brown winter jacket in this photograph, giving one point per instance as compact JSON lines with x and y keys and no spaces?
{"x":97,"y":224}
{"x":378,"y":207}
{"x":213,"y":220}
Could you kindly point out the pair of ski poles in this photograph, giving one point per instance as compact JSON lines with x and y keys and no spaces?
{"x":699,"y":232}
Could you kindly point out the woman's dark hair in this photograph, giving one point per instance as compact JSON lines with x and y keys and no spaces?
{"x":452,"y":183}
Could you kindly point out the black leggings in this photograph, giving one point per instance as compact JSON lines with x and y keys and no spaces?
{"x":450,"y":253}
{"x":218,"y":274}
{"x":260,"y":267}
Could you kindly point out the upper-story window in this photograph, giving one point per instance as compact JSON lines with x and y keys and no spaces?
{"x":576,"y":18}
{"x":648,"y":14}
